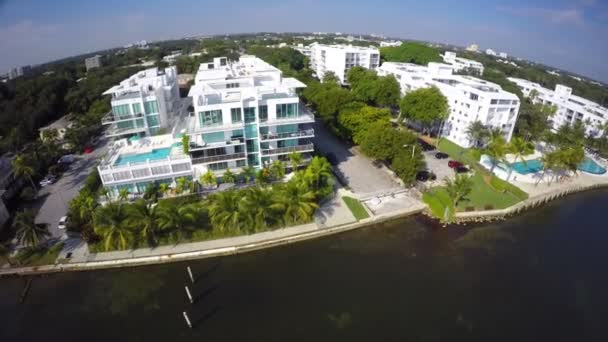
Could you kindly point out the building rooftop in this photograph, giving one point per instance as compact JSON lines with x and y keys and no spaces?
{"x":61,"y":123}
{"x":144,"y":81}
{"x":125,"y":152}
{"x":348,"y":47}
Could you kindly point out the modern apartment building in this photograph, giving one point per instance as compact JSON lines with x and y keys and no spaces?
{"x":92,"y":62}
{"x":339,"y":59}
{"x":470,"y":99}
{"x":570,"y":108}
{"x":245,"y":113}
{"x":460,"y":64}
{"x":143,"y":103}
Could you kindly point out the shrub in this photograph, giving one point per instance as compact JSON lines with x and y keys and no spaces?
{"x":488,"y":207}
{"x":469,"y":208}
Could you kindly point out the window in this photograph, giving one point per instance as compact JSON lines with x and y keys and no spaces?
{"x":236,"y":115}
{"x":218,"y":166}
{"x":151,"y":107}
{"x":494,"y":102}
{"x":153,"y":120}
{"x":474,"y":97}
{"x":249,"y":114}
{"x":137,"y":108}
{"x":263,"y":112}
{"x":239,"y":149}
{"x":121,"y":111}
{"x":213,"y":137}
{"x":287,"y":110}
{"x":252,"y":146}
{"x":241,"y":163}
{"x":237,"y":133}
{"x":232,"y":85}
{"x":210,"y":118}
{"x":251,"y":131}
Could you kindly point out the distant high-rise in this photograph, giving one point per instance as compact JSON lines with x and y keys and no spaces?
{"x":339,"y":59}
{"x":473,"y":48}
{"x":19,"y":71}
{"x":93,"y":62}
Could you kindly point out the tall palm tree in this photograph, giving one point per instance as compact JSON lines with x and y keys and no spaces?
{"x":123,"y":194}
{"x":477,"y":132}
{"x":5,"y":253}
{"x":295,"y":159}
{"x":248,"y":173}
{"x":550,"y":161}
{"x":228,"y":177}
{"x":28,"y":232}
{"x":163,"y":188}
{"x":171,"y":219}
{"x":225,"y":211}
{"x":141,"y":217}
{"x":459,"y":188}
{"x":519,"y":148}
{"x":257,"y":208}
{"x":83,"y":205}
{"x":296,"y":201}
{"x":208,"y":178}
{"x":23,"y":166}
{"x":495,"y":133}
{"x":182,"y":184}
{"x":110,"y":223}
{"x":496,"y":150}
{"x":318,"y":173}
{"x":277,"y":169}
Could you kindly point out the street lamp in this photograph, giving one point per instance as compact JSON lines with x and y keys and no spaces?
{"x":413,"y":149}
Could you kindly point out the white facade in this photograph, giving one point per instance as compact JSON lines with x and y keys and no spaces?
{"x":460,"y":64}
{"x":171,"y":58}
{"x":473,"y":48}
{"x":339,"y":59}
{"x":92,"y":62}
{"x":143,"y":103}
{"x":305,"y":50}
{"x":390,"y":44}
{"x":570,"y":108}
{"x":491,"y":52}
{"x":503,"y":55}
{"x":245,"y":113}
{"x":470,"y":99}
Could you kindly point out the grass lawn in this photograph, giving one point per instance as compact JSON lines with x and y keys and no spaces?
{"x":356,"y":208}
{"x":461,"y":154}
{"x":39,"y":257}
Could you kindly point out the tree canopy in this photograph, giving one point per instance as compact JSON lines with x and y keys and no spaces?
{"x":410,"y":52}
{"x":424,"y":106}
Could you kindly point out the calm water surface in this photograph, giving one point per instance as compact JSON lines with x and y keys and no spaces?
{"x":542,"y":276}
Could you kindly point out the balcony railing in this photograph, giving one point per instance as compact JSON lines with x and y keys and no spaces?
{"x":284,"y":150}
{"x":303,"y":117}
{"x":110,"y":118}
{"x":115,"y":131}
{"x":224,"y":157}
{"x":233,"y":141}
{"x":298,"y":134}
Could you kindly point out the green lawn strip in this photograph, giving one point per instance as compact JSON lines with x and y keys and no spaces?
{"x":39,"y":257}
{"x":356,"y":208}
{"x":437,"y":199}
{"x":461,"y":154}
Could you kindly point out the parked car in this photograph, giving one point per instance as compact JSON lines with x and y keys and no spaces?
{"x":461,"y":169}
{"x":88,"y":149}
{"x":66,"y":159}
{"x":441,"y":155}
{"x":62,"y":222}
{"x":48,"y":179}
{"x":454,"y":164}
{"x":426,"y":146}
{"x":424,"y":176}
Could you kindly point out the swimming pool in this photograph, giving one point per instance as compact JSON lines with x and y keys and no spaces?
{"x":535,"y":165}
{"x":155,"y":154}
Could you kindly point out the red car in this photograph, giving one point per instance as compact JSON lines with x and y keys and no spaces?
{"x":88,"y":149}
{"x":454,"y":164}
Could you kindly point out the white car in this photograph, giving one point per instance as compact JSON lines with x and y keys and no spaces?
{"x":62,"y":222}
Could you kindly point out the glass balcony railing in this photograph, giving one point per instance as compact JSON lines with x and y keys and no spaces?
{"x":223,"y":157}
{"x":284,"y":150}
{"x":297,"y":134}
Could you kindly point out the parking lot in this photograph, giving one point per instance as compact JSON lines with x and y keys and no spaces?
{"x":438,"y":166}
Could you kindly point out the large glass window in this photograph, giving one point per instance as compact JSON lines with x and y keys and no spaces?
{"x":237,"y":133}
{"x":236,"y":115}
{"x":213,"y":137}
{"x":218,"y":166}
{"x":287,"y":129}
{"x":249,"y":114}
{"x":210,"y":118}
{"x":252,"y":146}
{"x":153,"y":120}
{"x":287,"y":110}
{"x":151,"y":107}
{"x":263,"y":112}
{"x":251,"y":131}
{"x":122,"y":110}
{"x":137,"y":108}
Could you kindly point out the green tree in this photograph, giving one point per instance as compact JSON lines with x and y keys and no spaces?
{"x":496,"y":150}
{"x":228,"y":177}
{"x":295,"y":159}
{"x":380,"y":141}
{"x":477,"y":132}
{"x":123,"y":194}
{"x":182,"y":184}
{"x":297,"y":201}
{"x":387,"y":91}
{"x":24,"y":167}
{"x":411,"y":52}
{"x":277,"y":169}
{"x":405,"y":166}
{"x":263,"y":176}
{"x":459,"y":188}
{"x":5,"y":253}
{"x":257,"y":208}
{"x":186,"y":143}
{"x":27,"y":231}
{"x":354,"y":120}
{"x":425,"y":106}
{"x":110,"y":223}
{"x":519,"y":148}
{"x":174,"y":219}
{"x":319,"y":176}
{"x":141,"y":217}
{"x":208,"y":178}
{"x":248,"y":173}
{"x":163,"y":188}
{"x":534,"y":120}
{"x":225,"y":211}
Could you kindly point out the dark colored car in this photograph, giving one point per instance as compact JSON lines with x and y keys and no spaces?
{"x":454,"y":164}
{"x":441,"y":155}
{"x":426,"y":146}
{"x":331,"y":158}
{"x":424,"y":176}
{"x":461,"y":169}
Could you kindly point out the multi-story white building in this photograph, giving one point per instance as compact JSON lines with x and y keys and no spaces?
{"x":570,"y":108}
{"x":395,"y":43}
{"x":245,"y":113}
{"x":460,"y":64}
{"x":92,"y":62}
{"x":339,"y":59}
{"x":470,"y":99}
{"x":503,"y":55}
{"x":305,"y":50}
{"x":491,"y":52}
{"x":143,"y":103}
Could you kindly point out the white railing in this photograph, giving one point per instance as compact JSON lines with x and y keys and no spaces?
{"x":297,"y":134}
{"x":284,"y":150}
{"x":223,"y":157}
{"x":110,"y":118}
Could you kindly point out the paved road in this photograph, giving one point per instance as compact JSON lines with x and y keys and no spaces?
{"x":355,"y":170}
{"x":438,"y":166}
{"x":53,"y":200}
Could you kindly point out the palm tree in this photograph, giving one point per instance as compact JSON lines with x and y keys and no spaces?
{"x":228,"y":177}
{"x":296,"y":201}
{"x":550,"y":161}
{"x":123,"y":194}
{"x":459,"y":188}
{"x":295,"y":159}
{"x":263,"y":176}
{"x":496,"y":150}
{"x":477,"y":132}
{"x":110,"y":223}
{"x":519,"y":148}
{"x":105,"y":193}
{"x":277,"y":169}
{"x":5,"y":253}
{"x":163,"y":188}
{"x":318,"y":173}
{"x":151,"y":193}
{"x":182,"y":183}
{"x":171,"y":218}
{"x":208,"y":178}
{"x":22,"y":166}
{"x":225,"y":211}
{"x":142,"y":218}
{"x":248,"y":173}
{"x":257,"y":207}
{"x":83,"y":205}
{"x":28,"y":232}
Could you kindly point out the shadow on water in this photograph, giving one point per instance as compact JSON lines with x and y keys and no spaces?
{"x":199,"y":321}
{"x":209,"y":272}
{"x":205,"y":293}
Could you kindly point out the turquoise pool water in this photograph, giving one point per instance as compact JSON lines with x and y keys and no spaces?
{"x":535,"y":165}
{"x":156,"y":154}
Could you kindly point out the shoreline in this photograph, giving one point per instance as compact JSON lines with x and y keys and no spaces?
{"x":461,"y":218}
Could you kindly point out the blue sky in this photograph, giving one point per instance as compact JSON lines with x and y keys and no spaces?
{"x":570,"y":34}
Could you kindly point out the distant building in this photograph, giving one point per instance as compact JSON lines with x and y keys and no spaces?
{"x":470,"y":99}
{"x":473,"y":48}
{"x":503,"y":55}
{"x":93,"y":62}
{"x":490,"y":52}
{"x":553,"y":72}
{"x":339,"y":59}
{"x":305,"y":50}
{"x":19,"y":71}
{"x":171,"y":58}
{"x":570,"y":108}
{"x":460,"y":64}
{"x":143,"y":103}
{"x":60,"y":125}
{"x":390,"y":43}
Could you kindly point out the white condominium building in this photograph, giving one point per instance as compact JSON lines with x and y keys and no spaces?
{"x":245,"y":113}
{"x":395,"y":43}
{"x":339,"y":59}
{"x":460,"y":64}
{"x":143,"y":103}
{"x":470,"y":99}
{"x":570,"y":108}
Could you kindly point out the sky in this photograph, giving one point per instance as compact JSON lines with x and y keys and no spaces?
{"x":568,"y":34}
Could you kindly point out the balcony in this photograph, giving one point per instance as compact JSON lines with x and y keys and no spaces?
{"x":110,"y":118}
{"x":114,"y":131}
{"x":286,"y":150}
{"x":215,"y":159}
{"x":200,"y":144}
{"x":302,"y":118}
{"x":309,"y":133}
